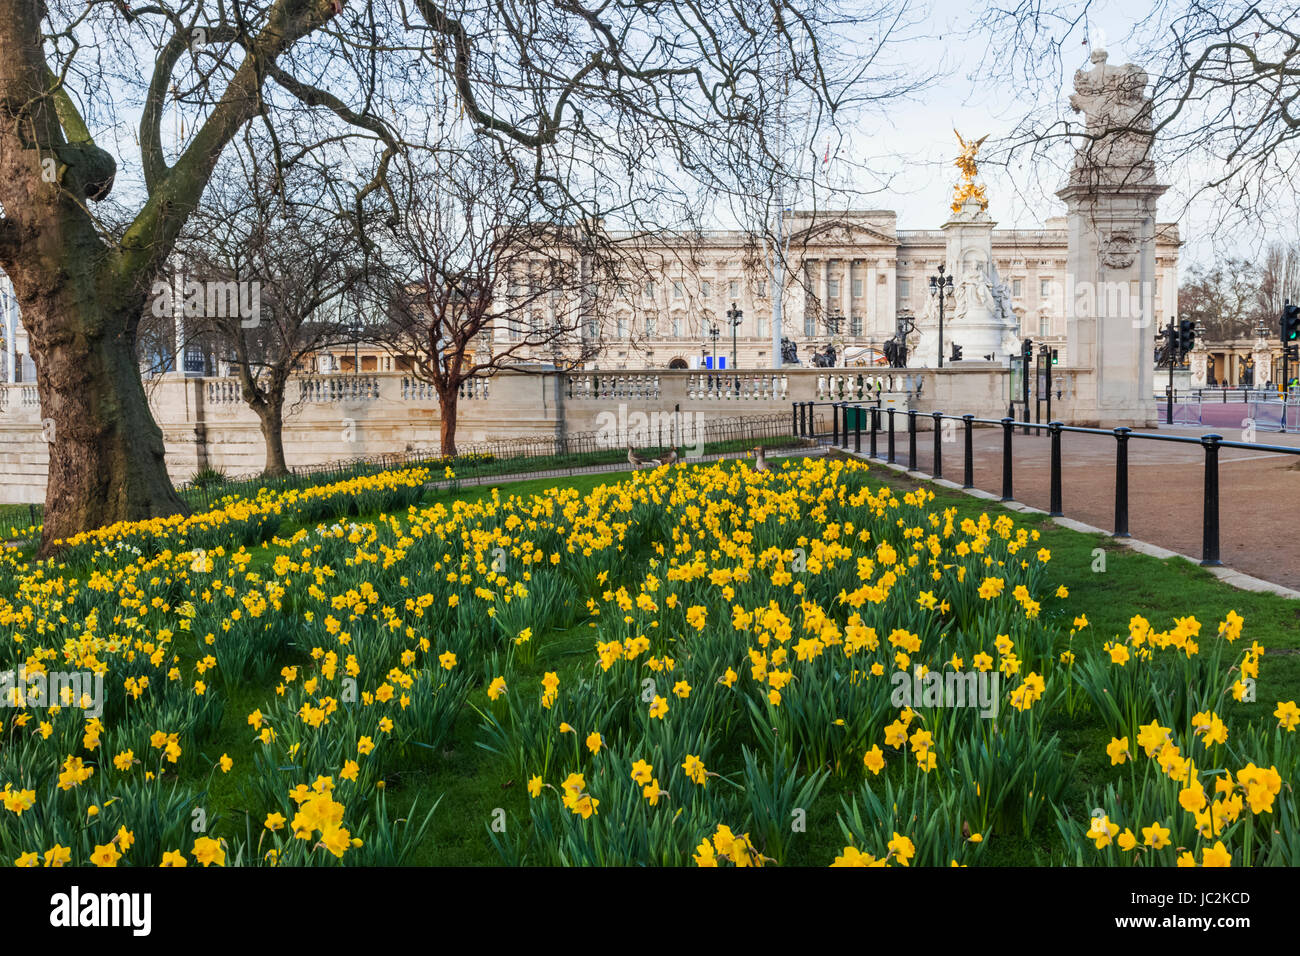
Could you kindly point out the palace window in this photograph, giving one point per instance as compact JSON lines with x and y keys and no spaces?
{"x":677,"y":327}
{"x":733,"y":288}
{"x":904,"y":288}
{"x":1044,"y":326}
{"x":855,"y":326}
{"x":706,"y":289}
{"x":857,"y":288}
{"x":809,"y":326}
{"x":1017,"y":288}
{"x":1045,"y":288}
{"x":650,"y":289}
{"x":833,"y":287}
{"x":762,"y":289}
{"x":678,"y":290}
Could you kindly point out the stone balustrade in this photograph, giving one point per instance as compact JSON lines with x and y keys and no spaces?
{"x":205,"y":422}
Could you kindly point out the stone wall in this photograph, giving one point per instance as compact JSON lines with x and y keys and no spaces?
{"x":337,"y":417}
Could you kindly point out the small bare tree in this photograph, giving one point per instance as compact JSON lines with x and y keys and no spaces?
{"x":283,"y":235}
{"x":480,"y":276}
{"x":1223,"y":298}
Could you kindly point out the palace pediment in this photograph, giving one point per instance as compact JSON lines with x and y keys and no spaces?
{"x":841,"y":232}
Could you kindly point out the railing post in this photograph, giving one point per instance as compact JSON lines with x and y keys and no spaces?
{"x":875,"y":427}
{"x":891,"y":458}
{"x":937,"y":470}
{"x":911,"y":439}
{"x":968,"y":479}
{"x":835,"y":422}
{"x":857,"y":429}
{"x":1008,"y":428}
{"x":1210,"y":535}
{"x":1121,"y":482}
{"x":845,"y":406}
{"x":1055,"y":429}
{"x":794,"y":412}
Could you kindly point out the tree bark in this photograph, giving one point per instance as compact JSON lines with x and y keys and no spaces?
{"x":107,"y":461}
{"x":447,"y":403}
{"x":271,"y":416}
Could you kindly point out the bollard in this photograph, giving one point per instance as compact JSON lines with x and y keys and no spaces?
{"x":937,"y":470}
{"x":1055,"y":429}
{"x":1008,"y":428}
{"x":911,"y":439}
{"x":1210,"y":531}
{"x":891,"y":458}
{"x":1121,"y":482}
{"x":968,"y":479}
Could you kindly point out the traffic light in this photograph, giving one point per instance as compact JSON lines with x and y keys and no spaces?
{"x":956,"y":353}
{"x":1055,"y":357}
{"x":1186,"y":335}
{"x":1027,"y":350}
{"x":1290,"y":322}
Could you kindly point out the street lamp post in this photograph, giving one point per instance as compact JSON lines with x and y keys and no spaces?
{"x":714,"y":332}
{"x":941,"y":286}
{"x":734,"y":316}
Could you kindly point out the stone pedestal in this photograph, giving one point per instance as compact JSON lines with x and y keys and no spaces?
{"x":1200,"y":365}
{"x":1263,"y":357}
{"x":977,"y":316}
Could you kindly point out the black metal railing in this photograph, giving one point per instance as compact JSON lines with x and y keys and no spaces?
{"x":1210,"y":443}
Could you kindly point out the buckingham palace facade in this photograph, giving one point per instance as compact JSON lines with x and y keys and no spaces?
{"x":851,"y":279}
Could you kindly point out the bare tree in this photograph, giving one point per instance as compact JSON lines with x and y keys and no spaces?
{"x":282,"y":235}
{"x":1223,"y":298}
{"x":480,"y":276}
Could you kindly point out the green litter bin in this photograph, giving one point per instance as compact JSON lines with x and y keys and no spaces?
{"x":856,"y":418}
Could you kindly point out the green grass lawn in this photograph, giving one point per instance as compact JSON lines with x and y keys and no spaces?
{"x":472,"y":783}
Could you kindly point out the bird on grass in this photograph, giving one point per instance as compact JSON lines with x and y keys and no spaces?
{"x":760,"y":460}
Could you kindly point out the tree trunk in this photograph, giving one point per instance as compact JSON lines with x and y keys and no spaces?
{"x":107,"y":461}
{"x":447,"y":403}
{"x":271,"y":416}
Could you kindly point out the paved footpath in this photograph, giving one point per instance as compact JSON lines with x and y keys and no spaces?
{"x":1259,"y":492}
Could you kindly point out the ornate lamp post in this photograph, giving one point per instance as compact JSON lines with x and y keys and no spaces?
{"x":941,"y":286}
{"x":735,"y":316}
{"x":714,"y":332}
